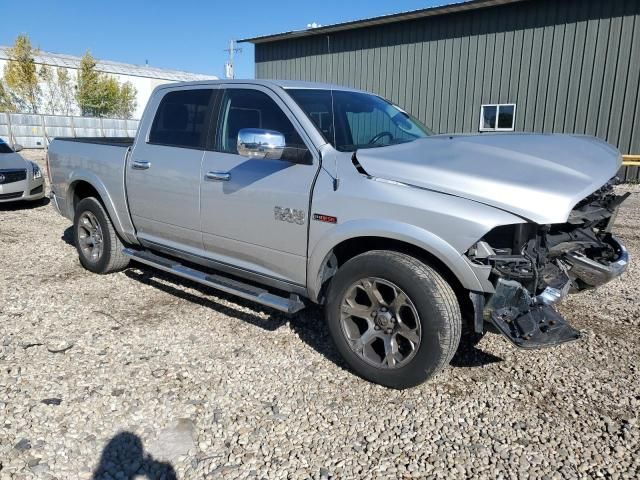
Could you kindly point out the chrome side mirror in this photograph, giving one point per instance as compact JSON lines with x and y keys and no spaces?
{"x":260,"y":143}
{"x":17,"y":147}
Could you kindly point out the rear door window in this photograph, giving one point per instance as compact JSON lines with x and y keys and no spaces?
{"x":182,"y":119}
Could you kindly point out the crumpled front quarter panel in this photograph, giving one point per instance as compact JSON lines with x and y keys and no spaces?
{"x":444,"y":225}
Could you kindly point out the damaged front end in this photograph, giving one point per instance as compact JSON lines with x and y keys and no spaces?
{"x":535,"y":266}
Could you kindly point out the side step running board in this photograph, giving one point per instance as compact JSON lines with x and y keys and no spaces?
{"x":290,"y":305}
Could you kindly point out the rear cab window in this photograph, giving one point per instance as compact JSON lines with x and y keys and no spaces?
{"x":182,"y":119}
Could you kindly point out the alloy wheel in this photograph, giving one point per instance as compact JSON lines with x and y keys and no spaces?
{"x":380,"y":322}
{"x":90,"y":236}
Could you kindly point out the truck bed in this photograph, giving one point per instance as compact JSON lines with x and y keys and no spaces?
{"x":96,"y":161}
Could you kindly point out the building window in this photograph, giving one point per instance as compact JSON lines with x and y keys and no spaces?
{"x":498,"y":117}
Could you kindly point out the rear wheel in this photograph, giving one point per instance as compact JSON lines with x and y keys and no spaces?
{"x":98,"y":244}
{"x":395,"y":320}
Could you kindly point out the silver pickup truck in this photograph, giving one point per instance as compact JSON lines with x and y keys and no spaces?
{"x":287,"y":193}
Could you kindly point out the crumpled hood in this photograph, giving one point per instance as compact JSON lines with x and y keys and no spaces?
{"x":11,"y":160}
{"x":537,"y":176}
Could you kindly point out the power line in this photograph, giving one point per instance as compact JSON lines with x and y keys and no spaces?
{"x":228,"y":66}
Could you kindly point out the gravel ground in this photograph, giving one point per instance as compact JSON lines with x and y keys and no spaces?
{"x":105,"y":376}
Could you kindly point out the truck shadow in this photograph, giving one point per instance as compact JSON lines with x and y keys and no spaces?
{"x":175,"y":286}
{"x":124,"y":458}
{"x":308,"y":325}
{"x":468,"y":356}
{"x":67,"y":237}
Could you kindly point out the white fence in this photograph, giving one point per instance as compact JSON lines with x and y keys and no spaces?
{"x":36,"y":131}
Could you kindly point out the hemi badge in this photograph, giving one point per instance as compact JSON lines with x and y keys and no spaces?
{"x":324,"y":218}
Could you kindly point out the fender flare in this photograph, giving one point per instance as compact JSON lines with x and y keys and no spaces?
{"x":92,"y":179}
{"x":459,"y":265}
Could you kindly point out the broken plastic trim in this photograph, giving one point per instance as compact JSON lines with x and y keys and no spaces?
{"x":527,"y":322}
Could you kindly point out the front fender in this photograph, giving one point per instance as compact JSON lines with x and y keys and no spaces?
{"x":469,"y":275}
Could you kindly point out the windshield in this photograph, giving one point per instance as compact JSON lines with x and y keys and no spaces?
{"x":355,"y":120}
{"x":4,"y":148}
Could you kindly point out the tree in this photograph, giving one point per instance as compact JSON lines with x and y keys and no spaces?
{"x":20,"y":74}
{"x":101,"y":95}
{"x":126,"y":100}
{"x":58,"y":95}
{"x":51,"y":97}
{"x":88,"y":86}
{"x":65,"y":90}
{"x":6,"y":102}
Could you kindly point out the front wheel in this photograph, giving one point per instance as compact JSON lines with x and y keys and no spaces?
{"x":394,"y":320}
{"x":97,"y":242}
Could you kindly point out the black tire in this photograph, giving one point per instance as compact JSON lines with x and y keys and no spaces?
{"x":110,"y":259}
{"x":432,"y":298}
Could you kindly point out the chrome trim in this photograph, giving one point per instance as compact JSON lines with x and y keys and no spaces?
{"x":54,"y":202}
{"x":551,"y":295}
{"x":140,"y":165}
{"x":594,"y":273}
{"x":260,"y":143}
{"x":218,"y":176}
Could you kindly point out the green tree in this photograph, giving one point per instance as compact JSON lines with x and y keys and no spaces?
{"x":126,"y":100}
{"x":20,"y":74}
{"x":101,"y":95}
{"x":51,"y":96}
{"x":87,"y":93}
{"x":65,"y":90}
{"x":6,"y":102}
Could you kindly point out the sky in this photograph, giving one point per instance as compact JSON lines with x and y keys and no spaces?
{"x":182,"y":35}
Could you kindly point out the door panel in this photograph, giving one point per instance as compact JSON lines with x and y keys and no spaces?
{"x":163,"y":173}
{"x":164,"y":199}
{"x":238,"y":215}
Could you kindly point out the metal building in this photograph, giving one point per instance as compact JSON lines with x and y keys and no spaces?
{"x":569,"y":66}
{"x":143,"y":77}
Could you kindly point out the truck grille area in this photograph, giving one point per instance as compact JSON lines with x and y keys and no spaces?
{"x":10,"y":176}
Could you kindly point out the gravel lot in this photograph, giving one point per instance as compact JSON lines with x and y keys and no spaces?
{"x":105,"y":376}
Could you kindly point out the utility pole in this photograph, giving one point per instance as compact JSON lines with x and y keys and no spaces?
{"x":228,"y":67}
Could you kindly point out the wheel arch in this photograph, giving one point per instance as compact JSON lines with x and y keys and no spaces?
{"x":337,"y":248}
{"x":81,"y":187}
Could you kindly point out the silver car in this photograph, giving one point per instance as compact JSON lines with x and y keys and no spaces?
{"x":20,"y":179}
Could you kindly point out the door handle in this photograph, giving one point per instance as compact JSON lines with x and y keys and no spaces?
{"x":140,"y":165}
{"x":218,"y":176}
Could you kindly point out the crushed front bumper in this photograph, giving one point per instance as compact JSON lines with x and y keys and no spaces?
{"x":531,"y":321}
{"x":593,"y":273}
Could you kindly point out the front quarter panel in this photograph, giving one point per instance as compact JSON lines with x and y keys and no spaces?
{"x":443,"y":225}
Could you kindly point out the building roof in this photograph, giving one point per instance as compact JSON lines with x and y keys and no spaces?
{"x":462,"y":6}
{"x":108,"y":66}
{"x":286,"y":84}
